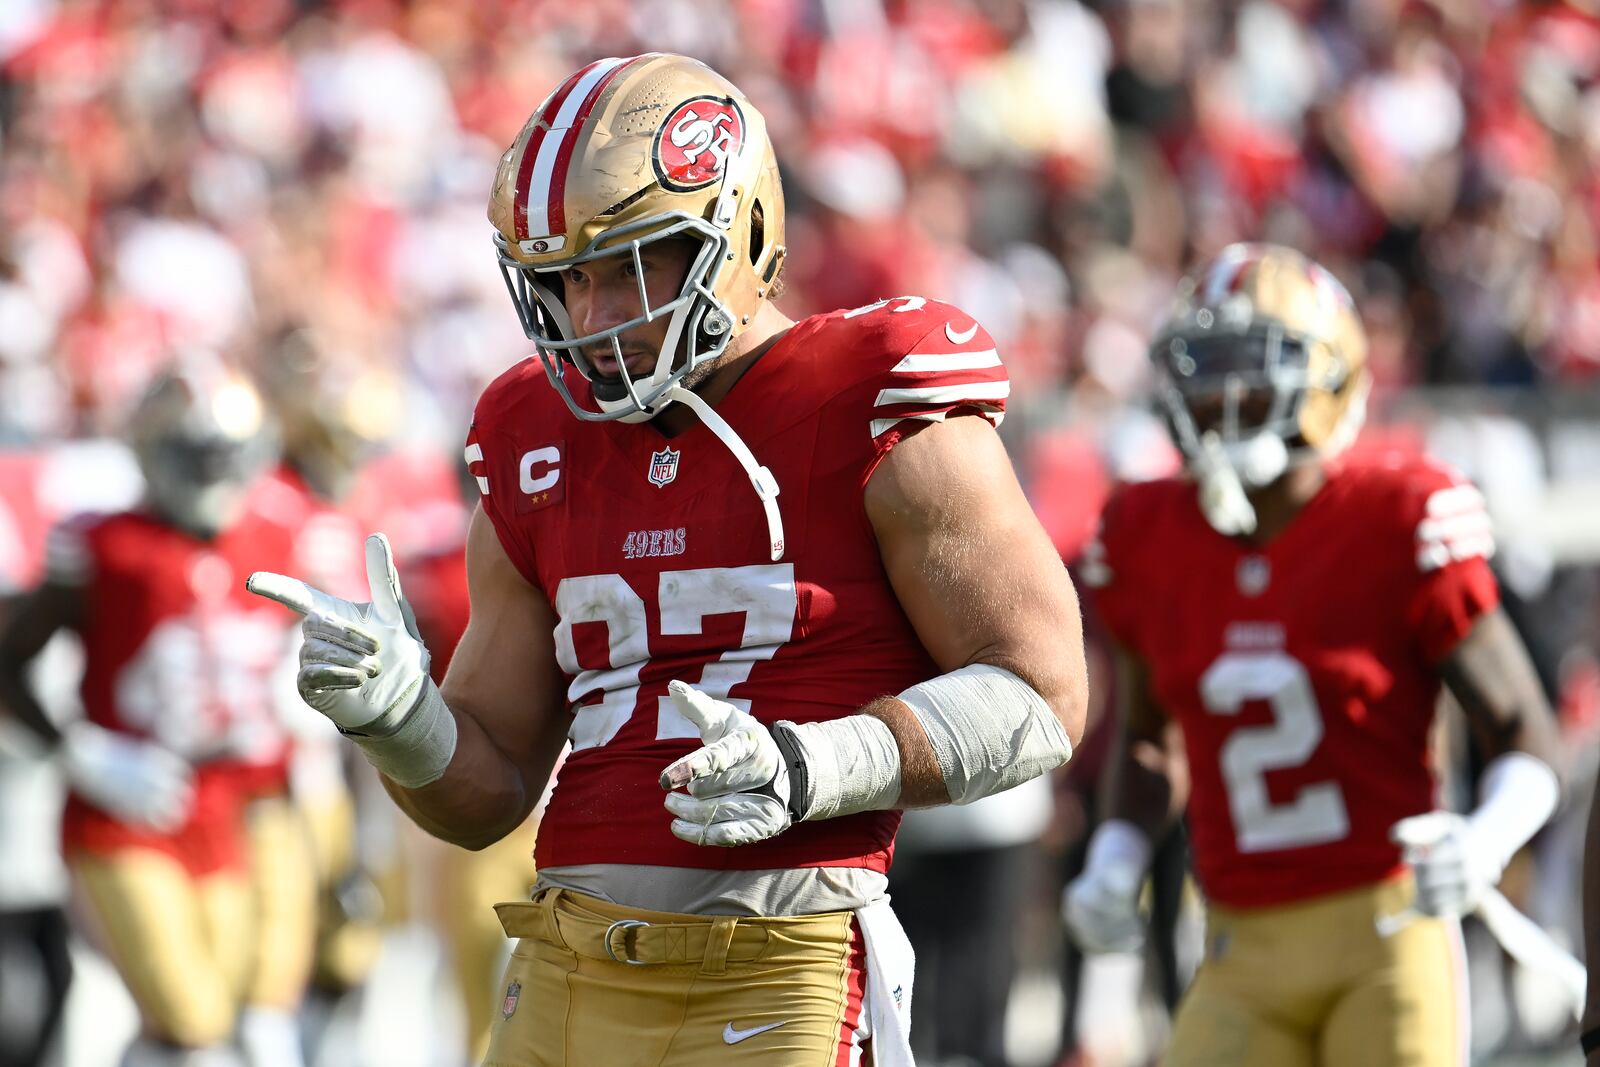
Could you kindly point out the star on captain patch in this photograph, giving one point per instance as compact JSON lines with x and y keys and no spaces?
{"x":663,"y":466}
{"x":1253,"y":574}
{"x":509,"y":1005}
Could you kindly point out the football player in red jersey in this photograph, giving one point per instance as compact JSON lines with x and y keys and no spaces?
{"x":330,"y":417}
{"x":187,"y":860}
{"x":704,"y":557}
{"x":1293,"y":616}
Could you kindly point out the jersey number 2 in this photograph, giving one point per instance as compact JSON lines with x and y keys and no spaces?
{"x":1317,"y":813}
{"x":765,"y":594}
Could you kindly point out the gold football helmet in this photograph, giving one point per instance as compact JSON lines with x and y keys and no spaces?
{"x":625,"y":152}
{"x":332,"y":414}
{"x":200,"y":436}
{"x":1262,"y":359}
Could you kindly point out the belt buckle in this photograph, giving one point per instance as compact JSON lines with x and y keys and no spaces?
{"x":623,"y":924}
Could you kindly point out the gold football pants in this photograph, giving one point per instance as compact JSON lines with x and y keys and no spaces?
{"x":193,"y":950}
{"x":593,"y":983}
{"x":1314,"y":984}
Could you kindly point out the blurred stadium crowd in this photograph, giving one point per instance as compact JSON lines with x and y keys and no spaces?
{"x":301,"y":184}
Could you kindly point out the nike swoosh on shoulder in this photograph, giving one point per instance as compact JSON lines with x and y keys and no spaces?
{"x":960,"y":338}
{"x":731,"y":1036}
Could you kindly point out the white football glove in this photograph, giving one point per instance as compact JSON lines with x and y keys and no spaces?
{"x":361,"y":665}
{"x":738,"y":782}
{"x":1453,"y":868}
{"x":1101,"y":906}
{"x":138,"y":781}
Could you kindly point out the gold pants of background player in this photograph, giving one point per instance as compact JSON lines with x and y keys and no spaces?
{"x":1314,"y":984}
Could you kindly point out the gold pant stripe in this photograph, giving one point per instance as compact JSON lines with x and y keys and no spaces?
{"x":1314,"y":984}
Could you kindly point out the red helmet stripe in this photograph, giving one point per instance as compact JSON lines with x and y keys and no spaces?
{"x":530,"y":151}
{"x":556,"y":208}
{"x":538,"y":161}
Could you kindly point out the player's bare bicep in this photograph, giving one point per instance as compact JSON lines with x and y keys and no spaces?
{"x":970,"y":564}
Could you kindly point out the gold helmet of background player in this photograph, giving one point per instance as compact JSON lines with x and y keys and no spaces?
{"x":626,"y":152}
{"x":1263,"y":357}
{"x":332,"y":412}
{"x":200,"y":436}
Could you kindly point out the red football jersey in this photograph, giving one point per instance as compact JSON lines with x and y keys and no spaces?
{"x":328,"y":541}
{"x":1303,"y":672}
{"x":176,"y":651}
{"x":654,"y":553}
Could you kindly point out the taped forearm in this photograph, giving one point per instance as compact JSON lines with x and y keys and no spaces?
{"x":840,"y":767}
{"x":415,"y":750}
{"x":989,"y":729}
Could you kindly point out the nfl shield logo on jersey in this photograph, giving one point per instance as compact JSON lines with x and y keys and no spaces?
{"x":663,"y":466}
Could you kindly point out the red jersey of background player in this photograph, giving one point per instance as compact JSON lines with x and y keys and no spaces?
{"x":654,"y":553}
{"x":1303,"y":672}
{"x":328,"y":539}
{"x":177,"y":652}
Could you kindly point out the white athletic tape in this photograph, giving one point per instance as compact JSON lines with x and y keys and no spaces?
{"x":989,"y":729}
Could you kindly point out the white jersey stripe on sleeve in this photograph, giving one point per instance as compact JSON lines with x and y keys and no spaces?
{"x":1456,"y":527}
{"x":934,"y":362}
{"x":474,"y":454}
{"x":1467,"y":524}
{"x":1454,"y":501}
{"x":882,"y":426}
{"x":945,"y":394}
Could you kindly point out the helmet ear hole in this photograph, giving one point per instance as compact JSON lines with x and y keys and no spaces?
{"x":758,"y":232}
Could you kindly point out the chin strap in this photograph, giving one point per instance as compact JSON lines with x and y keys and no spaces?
{"x":1222,"y":496}
{"x":766,"y":486}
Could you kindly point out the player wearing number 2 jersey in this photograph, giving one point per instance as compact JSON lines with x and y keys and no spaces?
{"x":1293,"y":615}
{"x":710,"y":541}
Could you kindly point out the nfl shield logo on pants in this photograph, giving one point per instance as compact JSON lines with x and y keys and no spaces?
{"x":663,"y":466}
{"x":513,"y":994}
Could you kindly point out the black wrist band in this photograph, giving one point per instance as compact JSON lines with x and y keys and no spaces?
{"x":799,"y":803}
{"x":1590,"y":1041}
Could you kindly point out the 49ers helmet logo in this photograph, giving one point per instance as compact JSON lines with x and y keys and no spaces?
{"x":696,"y":141}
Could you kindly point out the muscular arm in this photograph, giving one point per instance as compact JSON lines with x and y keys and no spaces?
{"x":1493,"y":680}
{"x":505,"y":691}
{"x":977,"y":577}
{"x":30,"y":627}
{"x":1147,"y":776}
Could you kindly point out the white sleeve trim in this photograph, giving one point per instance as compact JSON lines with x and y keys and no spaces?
{"x":944,"y":394}
{"x":934,"y":362}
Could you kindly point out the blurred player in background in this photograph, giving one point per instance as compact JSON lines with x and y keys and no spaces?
{"x":470,"y":883}
{"x":331,"y":417}
{"x":1293,"y":616}
{"x":638,"y":586}
{"x":191,"y":868}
